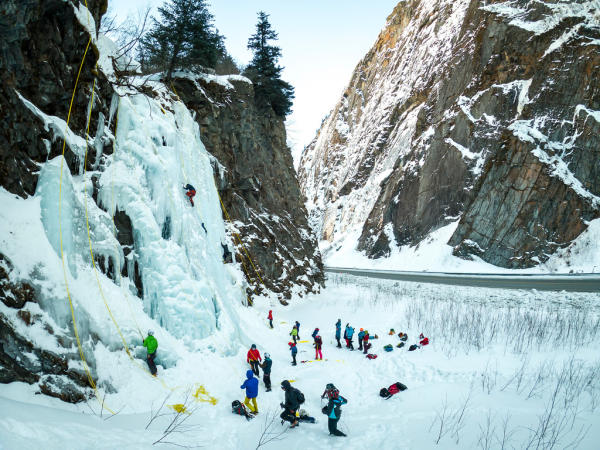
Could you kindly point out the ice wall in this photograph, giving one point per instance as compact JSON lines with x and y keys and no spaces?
{"x":158,"y":151}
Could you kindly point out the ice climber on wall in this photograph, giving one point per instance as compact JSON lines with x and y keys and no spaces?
{"x":191,"y":192}
{"x":251,"y":386}
{"x":151,"y":345}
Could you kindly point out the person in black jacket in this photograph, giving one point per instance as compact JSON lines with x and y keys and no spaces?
{"x":293,"y":398}
{"x":266,"y":367}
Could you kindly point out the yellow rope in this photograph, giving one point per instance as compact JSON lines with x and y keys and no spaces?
{"x":62,"y":255}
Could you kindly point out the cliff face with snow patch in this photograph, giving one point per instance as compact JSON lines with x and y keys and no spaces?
{"x":102,"y":245}
{"x":482,"y":113}
{"x":257,"y":183}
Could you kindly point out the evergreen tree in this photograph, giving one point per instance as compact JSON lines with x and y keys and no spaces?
{"x":183,"y":37}
{"x":269,"y":88}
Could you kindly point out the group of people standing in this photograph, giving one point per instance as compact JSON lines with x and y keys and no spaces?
{"x":363,"y":337}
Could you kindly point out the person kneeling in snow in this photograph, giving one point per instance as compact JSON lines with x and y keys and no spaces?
{"x":293,"y":399}
{"x":392,"y":390}
{"x":151,"y":345}
{"x":191,"y":192}
{"x":251,"y":386}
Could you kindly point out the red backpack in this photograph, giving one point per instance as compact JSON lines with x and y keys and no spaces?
{"x":371,"y":356}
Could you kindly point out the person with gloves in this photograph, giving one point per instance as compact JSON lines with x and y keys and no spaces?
{"x":293,"y":399}
{"x":253,"y":359}
{"x":333,"y":409}
{"x":251,"y":386}
{"x":151,"y":345}
{"x":266,"y":367}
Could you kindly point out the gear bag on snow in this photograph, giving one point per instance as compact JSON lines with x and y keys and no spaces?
{"x":239,"y":408}
{"x":371,"y":356}
{"x":413,"y":347}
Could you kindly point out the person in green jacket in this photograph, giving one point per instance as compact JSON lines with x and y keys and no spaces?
{"x":151,"y":345}
{"x":294,"y":333}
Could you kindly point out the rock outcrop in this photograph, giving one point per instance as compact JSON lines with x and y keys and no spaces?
{"x":485,"y":113}
{"x":258,"y":185}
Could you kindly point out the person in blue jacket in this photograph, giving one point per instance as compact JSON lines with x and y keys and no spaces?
{"x":361,"y":335}
{"x":298,"y":328}
{"x":349,"y":334}
{"x":251,"y":386}
{"x":333,"y":409}
{"x":294,"y":351}
{"x":338,"y":332}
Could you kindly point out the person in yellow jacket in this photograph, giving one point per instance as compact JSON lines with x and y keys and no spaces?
{"x":294,"y":333}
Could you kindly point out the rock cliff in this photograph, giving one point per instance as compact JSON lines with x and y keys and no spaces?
{"x":485,"y":113}
{"x":41,"y":49}
{"x":258,"y":185}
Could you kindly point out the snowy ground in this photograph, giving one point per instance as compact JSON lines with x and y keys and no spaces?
{"x":433,"y":254}
{"x":519,"y":368}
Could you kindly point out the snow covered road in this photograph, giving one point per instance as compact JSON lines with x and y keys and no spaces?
{"x":565,"y":282}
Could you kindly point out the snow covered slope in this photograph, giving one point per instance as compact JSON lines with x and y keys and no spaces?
{"x":109,"y":245}
{"x":514,"y":368}
{"x":481,"y":113}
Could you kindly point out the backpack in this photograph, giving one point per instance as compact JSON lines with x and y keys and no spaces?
{"x":300,"y":397}
{"x":238,"y":408}
{"x":388,"y":348}
{"x":413,"y":347}
{"x":371,"y":356}
{"x":400,"y":345}
{"x":384,"y":393}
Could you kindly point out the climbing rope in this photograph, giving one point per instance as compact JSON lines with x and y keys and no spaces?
{"x":62,"y":254}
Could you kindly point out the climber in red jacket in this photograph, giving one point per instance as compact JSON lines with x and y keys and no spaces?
{"x":424,"y":340}
{"x":270,"y":318}
{"x":253,"y":358}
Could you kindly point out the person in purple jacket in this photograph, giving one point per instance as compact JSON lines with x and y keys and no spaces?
{"x":251,"y":386}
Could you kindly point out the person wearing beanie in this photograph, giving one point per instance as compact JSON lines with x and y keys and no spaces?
{"x":253,"y":359}
{"x":151,"y":345}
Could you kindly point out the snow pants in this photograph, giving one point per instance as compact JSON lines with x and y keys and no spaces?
{"x":288,"y":415}
{"x":293,"y":359}
{"x":271,"y":322}
{"x":339,"y":343}
{"x":151,"y":364}
{"x":252,"y":407}
{"x":267,"y":380}
{"x":332,"y":425}
{"x":318,"y":354}
{"x":190,"y":195}
{"x":254,"y":366}
{"x":359,"y":344}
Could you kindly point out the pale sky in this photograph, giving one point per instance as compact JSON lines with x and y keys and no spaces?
{"x":321,"y":43}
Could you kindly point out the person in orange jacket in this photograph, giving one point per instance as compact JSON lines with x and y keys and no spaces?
{"x":253,"y":359}
{"x":270,"y":318}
